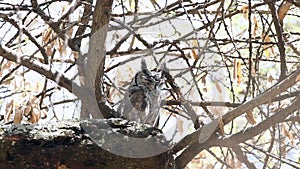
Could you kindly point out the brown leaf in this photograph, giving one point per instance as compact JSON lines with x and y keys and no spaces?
{"x":8,"y":111}
{"x":239,"y":72}
{"x":221,"y":125}
{"x":297,"y":78}
{"x":35,"y":115}
{"x":49,"y":50}
{"x":203,"y":79}
{"x":287,"y":133}
{"x":61,"y":47}
{"x":255,"y":29}
{"x":194,"y":51}
{"x":7,"y":65}
{"x":180,"y":125}
{"x":34,"y":101}
{"x":194,"y":54}
{"x":46,"y":35}
{"x":18,"y":116}
{"x":245,"y":10}
{"x":70,"y":32}
{"x":27,"y":110}
{"x":284,"y":8}
{"x":270,"y":78}
{"x":250,"y":118}
{"x":268,"y":47}
{"x":218,"y":86}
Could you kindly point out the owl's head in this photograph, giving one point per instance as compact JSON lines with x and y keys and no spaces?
{"x":153,"y":80}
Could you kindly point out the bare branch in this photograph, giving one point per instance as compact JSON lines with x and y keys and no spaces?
{"x":261,"y":99}
{"x":280,"y":43}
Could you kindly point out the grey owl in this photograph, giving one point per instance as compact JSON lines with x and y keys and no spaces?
{"x":141,"y":102}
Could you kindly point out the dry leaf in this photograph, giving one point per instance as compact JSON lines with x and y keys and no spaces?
{"x":270,"y":78}
{"x":70,"y":32}
{"x":268,"y":47}
{"x":194,"y":51}
{"x":239,"y":72}
{"x":287,"y":133}
{"x":203,"y":79}
{"x":34,"y":101}
{"x":35,"y":115}
{"x":297,"y":78}
{"x":49,"y":50}
{"x":221,"y":126}
{"x":7,"y":65}
{"x":110,"y":92}
{"x":18,"y":116}
{"x":8,"y":111}
{"x":61,"y":47}
{"x":284,"y":8}
{"x":218,"y":86}
{"x":194,"y":54}
{"x":46,"y":35}
{"x":180,"y":126}
{"x":250,"y":117}
{"x":27,"y":110}
{"x":245,"y":10}
{"x":255,"y":29}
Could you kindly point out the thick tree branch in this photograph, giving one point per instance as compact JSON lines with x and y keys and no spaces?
{"x":242,"y":157}
{"x":226,"y":104}
{"x":278,"y":117}
{"x":28,"y":62}
{"x":280,"y":44}
{"x":96,"y":61}
{"x":265,"y":97}
{"x":191,"y":151}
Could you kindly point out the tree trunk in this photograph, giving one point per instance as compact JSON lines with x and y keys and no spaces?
{"x":95,"y":63}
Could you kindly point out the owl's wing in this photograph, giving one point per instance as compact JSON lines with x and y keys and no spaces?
{"x":154,"y":109}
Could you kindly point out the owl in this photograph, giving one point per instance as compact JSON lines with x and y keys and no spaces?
{"x":141,"y":102}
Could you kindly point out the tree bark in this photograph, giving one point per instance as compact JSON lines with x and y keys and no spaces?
{"x":66,"y":145}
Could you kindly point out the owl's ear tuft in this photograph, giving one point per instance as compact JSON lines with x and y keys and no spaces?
{"x":163,"y":68}
{"x":144,"y":67}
